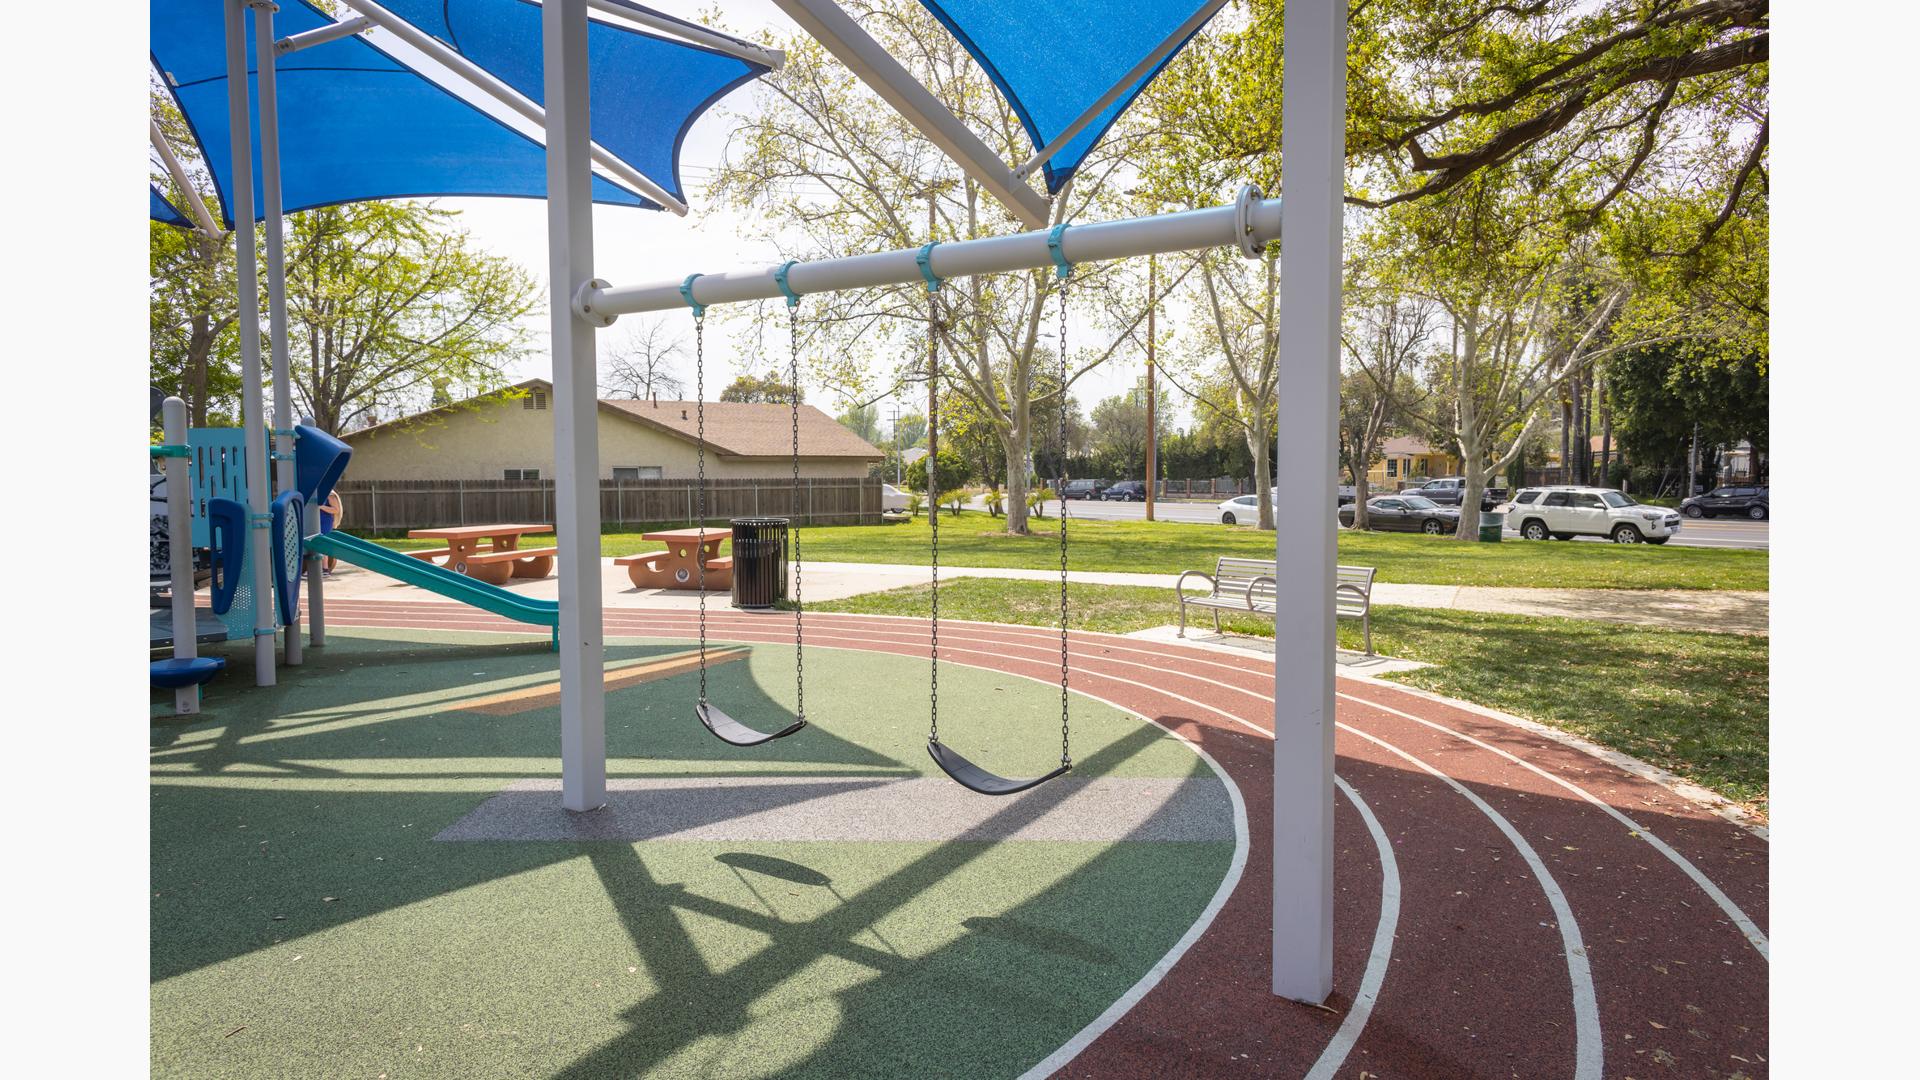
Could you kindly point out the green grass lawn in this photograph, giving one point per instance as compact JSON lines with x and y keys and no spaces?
{"x":974,"y":539}
{"x":1690,"y":702}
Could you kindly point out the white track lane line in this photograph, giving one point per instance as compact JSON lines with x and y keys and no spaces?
{"x":1588,"y":1052}
{"x":1335,"y":1055}
{"x":1732,"y":910}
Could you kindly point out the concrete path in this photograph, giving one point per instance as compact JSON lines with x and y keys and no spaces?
{"x":1679,"y":609}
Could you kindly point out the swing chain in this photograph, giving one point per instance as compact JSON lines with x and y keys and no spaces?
{"x":1066,"y":756}
{"x":933,"y":506}
{"x":793,"y":529}
{"x":700,"y":423}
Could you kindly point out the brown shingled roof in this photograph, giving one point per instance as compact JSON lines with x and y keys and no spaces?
{"x":742,"y":430}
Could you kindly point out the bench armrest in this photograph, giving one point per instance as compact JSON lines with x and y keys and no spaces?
{"x":1179,"y":586}
{"x":1248,"y":591}
{"x":1365,"y":596}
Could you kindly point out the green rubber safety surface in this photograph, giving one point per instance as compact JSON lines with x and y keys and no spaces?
{"x":306,"y":922}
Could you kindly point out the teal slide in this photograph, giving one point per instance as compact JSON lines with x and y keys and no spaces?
{"x":435,"y":579}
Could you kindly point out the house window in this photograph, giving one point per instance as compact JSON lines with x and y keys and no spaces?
{"x":535,"y":399}
{"x":522,"y":474}
{"x":1393,"y":467}
{"x":637,"y":472}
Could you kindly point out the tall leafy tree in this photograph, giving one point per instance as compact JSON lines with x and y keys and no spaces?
{"x":386,"y":300}
{"x":772,"y":388}
{"x":833,"y":171}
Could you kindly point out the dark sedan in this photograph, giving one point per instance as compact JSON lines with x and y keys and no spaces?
{"x":1126,"y":491}
{"x":1406,"y":513}
{"x":1747,"y":502}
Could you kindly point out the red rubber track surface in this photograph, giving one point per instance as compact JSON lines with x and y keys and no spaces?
{"x":1479,"y":980}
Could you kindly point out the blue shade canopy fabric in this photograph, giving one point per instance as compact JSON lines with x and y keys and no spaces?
{"x":355,"y":123}
{"x":1053,"y":60}
{"x":162,"y":211}
{"x":645,"y":91}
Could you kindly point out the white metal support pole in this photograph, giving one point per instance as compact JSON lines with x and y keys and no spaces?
{"x":186,"y":631}
{"x":253,"y":396}
{"x":576,"y":417}
{"x":1313,"y":150}
{"x":264,"y":62}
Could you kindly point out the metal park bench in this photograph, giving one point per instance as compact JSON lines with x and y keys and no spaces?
{"x":1249,"y":585}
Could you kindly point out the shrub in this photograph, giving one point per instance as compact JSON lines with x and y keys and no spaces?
{"x":996,"y":502}
{"x":1037,"y":501}
{"x":916,"y":502}
{"x":954,"y":499}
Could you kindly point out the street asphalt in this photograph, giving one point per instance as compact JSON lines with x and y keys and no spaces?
{"x":1701,"y":532}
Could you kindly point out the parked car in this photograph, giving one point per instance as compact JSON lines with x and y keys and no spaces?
{"x":1084,"y":489}
{"x":1749,"y":502}
{"x":1240,"y":508}
{"x":1566,"y":512}
{"x":1343,"y":494}
{"x":1126,"y":491}
{"x":892,"y":500}
{"x":1447,"y":490}
{"x":1405,"y":513}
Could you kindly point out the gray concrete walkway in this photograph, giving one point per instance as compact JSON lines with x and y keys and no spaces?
{"x":1682,"y":609}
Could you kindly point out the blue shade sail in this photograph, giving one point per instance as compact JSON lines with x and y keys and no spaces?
{"x":162,"y":211}
{"x":644,"y":91}
{"x":355,"y":123}
{"x":1053,"y":60}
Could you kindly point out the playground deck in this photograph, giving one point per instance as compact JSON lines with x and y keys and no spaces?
{"x":1509,"y":905}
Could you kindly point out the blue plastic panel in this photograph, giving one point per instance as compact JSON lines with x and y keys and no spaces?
{"x":217,"y":469}
{"x":1053,"y":60}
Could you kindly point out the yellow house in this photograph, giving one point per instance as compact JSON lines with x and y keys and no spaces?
{"x":1405,"y":459}
{"x":509,"y":436}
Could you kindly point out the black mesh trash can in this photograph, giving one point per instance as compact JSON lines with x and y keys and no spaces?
{"x":759,"y":562}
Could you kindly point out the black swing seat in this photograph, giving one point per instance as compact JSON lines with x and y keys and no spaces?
{"x":733,"y":731}
{"x":974,"y":778}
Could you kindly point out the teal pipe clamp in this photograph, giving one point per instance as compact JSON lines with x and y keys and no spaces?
{"x":281,"y":455}
{"x":179,"y":450}
{"x":1061,"y":267}
{"x":780,"y":279}
{"x":288,"y":432}
{"x":925,"y":259}
{"x":686,"y":293}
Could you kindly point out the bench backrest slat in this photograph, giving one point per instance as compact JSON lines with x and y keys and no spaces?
{"x":1234,"y":574}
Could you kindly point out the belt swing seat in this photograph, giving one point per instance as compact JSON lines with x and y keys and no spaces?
{"x":955,"y":764}
{"x":715,"y":720}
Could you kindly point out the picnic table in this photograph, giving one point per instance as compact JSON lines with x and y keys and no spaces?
{"x":498,"y":561}
{"x":678,"y":567}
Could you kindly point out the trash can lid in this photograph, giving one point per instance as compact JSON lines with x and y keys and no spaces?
{"x":761,"y":522}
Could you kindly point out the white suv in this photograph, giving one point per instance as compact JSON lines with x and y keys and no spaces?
{"x":1566,"y":512}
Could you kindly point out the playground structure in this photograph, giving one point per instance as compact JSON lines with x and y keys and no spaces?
{"x":1083,"y":89}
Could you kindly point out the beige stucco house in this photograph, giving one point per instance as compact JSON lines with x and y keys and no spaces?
{"x":509,"y":436}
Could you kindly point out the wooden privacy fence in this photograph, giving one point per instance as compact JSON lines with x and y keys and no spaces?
{"x":1221,"y":486}
{"x":384,"y":505}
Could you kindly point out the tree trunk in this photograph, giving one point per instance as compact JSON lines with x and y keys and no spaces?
{"x":1259,"y":445}
{"x":1014,"y":444}
{"x":1360,"y":500}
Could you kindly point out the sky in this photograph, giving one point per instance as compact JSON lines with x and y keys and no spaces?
{"x":635,"y":246}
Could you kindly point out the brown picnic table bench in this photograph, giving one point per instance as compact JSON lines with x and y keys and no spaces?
{"x":500,"y":560}
{"x":678,"y":567}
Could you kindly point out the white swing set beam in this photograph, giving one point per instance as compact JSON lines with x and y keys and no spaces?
{"x":1249,"y":223}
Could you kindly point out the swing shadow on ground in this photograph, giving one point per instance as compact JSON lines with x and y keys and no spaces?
{"x":1000,"y":996}
{"x":240,"y":861}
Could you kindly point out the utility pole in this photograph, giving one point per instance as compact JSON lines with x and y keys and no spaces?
{"x":1153,"y":443}
{"x":897,"y":448}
